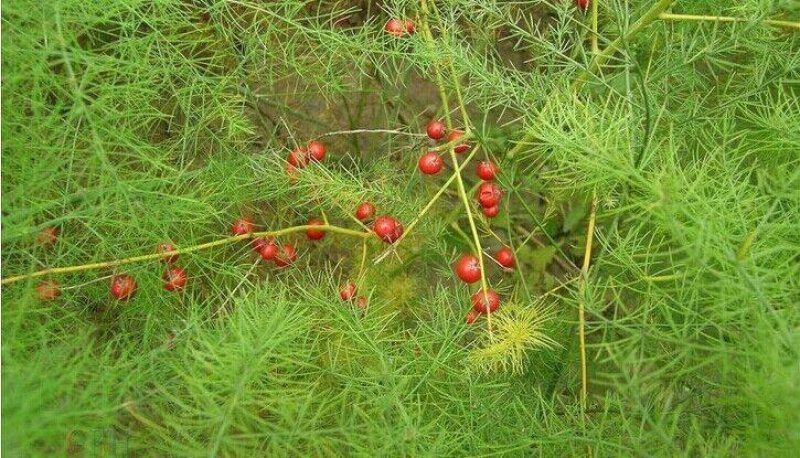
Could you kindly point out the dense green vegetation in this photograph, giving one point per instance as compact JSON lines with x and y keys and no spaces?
{"x":129,"y":122}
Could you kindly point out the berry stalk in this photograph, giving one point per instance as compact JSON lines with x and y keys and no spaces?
{"x":587,"y":257}
{"x":429,"y":205}
{"x":459,"y":181}
{"x":155,"y":256}
{"x":595,"y":30}
{"x":693,"y":17}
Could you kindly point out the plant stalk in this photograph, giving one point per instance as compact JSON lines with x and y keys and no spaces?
{"x":154,"y":256}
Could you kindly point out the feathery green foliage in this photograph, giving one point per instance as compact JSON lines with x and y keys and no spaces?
{"x":126,"y":123}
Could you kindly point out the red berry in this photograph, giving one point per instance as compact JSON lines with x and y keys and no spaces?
{"x":472,"y":315}
{"x":455,"y":135}
{"x":489,"y":194}
{"x":315,"y":234}
{"x":361,"y":302}
{"x":167,"y":250}
{"x":582,"y":4}
{"x":348,"y":291}
{"x":436,"y":129}
{"x":365,"y":211}
{"x":485,"y":303}
{"x":287,"y":256}
{"x":316,"y":150}
{"x":48,"y":236}
{"x":395,"y":27}
{"x":242,"y":226}
{"x":410,"y":26}
{"x":491,"y":212}
{"x":468,"y":268}
{"x":505,"y":257}
{"x":123,"y":287}
{"x":487,"y":170}
{"x":175,"y":279}
{"x":430,"y":163}
{"x":385,"y":227}
{"x":48,"y":290}
{"x":268,"y":250}
{"x":297,"y":158}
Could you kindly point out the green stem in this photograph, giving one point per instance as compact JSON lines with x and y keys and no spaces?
{"x":430,"y":203}
{"x":692,"y":17}
{"x":595,"y":46}
{"x":454,"y":158}
{"x":155,"y":256}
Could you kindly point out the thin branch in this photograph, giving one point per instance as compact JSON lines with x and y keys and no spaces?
{"x":372,"y":131}
{"x":154,"y":256}
{"x":693,"y":17}
{"x":595,"y":7}
{"x":587,"y":256}
{"x":429,"y":205}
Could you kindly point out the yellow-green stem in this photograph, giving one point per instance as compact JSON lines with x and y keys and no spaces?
{"x":587,"y":256}
{"x":459,"y":182}
{"x":595,"y":31}
{"x":693,"y":17}
{"x":155,"y":256}
{"x":430,"y":203}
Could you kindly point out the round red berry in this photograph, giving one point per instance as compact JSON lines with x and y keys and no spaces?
{"x":430,"y":163}
{"x":505,"y":257}
{"x":348,"y":291}
{"x":48,"y":290}
{"x":485,"y":303}
{"x":491,"y":212}
{"x":365,"y":211}
{"x":268,"y":250}
{"x":410,"y":26}
{"x":175,"y":279}
{"x":385,"y":227}
{"x":489,"y":194}
{"x":297,"y":158}
{"x":286,"y":256}
{"x":167,"y":250}
{"x":315,"y":234}
{"x":48,"y":236}
{"x":455,"y":135}
{"x":436,"y":129}
{"x":468,"y":268}
{"x":395,"y":27}
{"x":242,"y":226}
{"x":362,"y":302}
{"x":472,"y":315}
{"x":582,"y":4}
{"x":316,"y":150}
{"x":487,"y":170}
{"x":123,"y":287}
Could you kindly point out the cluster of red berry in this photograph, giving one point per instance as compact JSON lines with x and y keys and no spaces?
{"x":431,"y":163}
{"x":385,"y":227}
{"x":398,"y":28}
{"x":300,"y":157}
{"x":468,"y":267}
